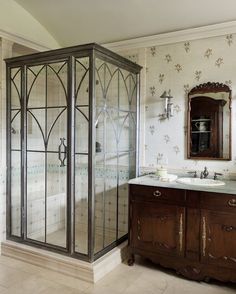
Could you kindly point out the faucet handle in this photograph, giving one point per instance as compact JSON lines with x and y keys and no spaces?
{"x":201,"y":175}
{"x":205,"y":172}
{"x":194,"y":173}
{"x":217,"y":174}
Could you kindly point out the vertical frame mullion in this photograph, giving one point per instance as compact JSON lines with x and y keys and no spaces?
{"x":118,"y":161}
{"x":46,"y":156}
{"x":71,"y":156}
{"x":137,"y":170}
{"x":8,"y":140}
{"x":24,"y":151}
{"x":91,"y":163}
{"x":104,"y":157}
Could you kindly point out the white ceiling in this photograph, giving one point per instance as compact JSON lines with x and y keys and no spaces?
{"x":73,"y":22}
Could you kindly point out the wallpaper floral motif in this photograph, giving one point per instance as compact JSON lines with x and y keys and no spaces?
{"x":179,"y":67}
{"x":182,"y":66}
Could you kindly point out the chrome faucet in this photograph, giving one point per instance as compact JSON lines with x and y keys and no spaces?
{"x":204,"y":173}
{"x":217,"y":174}
{"x":194,"y":173}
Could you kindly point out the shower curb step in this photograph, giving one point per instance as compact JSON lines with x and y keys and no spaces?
{"x":89,"y":272}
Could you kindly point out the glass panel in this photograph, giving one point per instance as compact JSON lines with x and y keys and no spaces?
{"x":16,"y":193}
{"x":81,"y":161}
{"x":46,"y":131}
{"x":124,"y":131}
{"x":133,"y":92}
{"x":99,"y":182}
{"x":99,"y":202}
{"x":56,"y":201}
{"x":36,"y":86}
{"x":56,"y":128}
{"x":36,"y":129}
{"x":127,"y":132}
{"x":112,"y":90}
{"x":100,"y":83}
{"x":124,"y":91}
{"x":99,"y":123}
{"x":81,"y":204}
{"x":82,"y":81}
{"x":110,"y":201}
{"x":82,"y":129}
{"x":36,"y":196}
{"x":15,"y":155}
{"x":124,"y":170}
{"x":111,"y":133}
{"x":15,"y":88}
{"x":15,"y":129}
{"x":116,"y":132}
{"x":57,"y":84}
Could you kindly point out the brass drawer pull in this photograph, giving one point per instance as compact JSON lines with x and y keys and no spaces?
{"x":232,"y":202}
{"x":157,"y":193}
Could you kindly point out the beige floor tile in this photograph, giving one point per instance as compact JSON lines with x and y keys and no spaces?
{"x":187,"y":287}
{"x":18,"y":264}
{"x":2,"y":290}
{"x":60,"y":290}
{"x":142,"y":278}
{"x":31,"y":285}
{"x":10,"y":276}
{"x":116,"y":281}
{"x":64,"y":280}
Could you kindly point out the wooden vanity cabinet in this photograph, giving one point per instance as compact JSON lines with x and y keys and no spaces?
{"x":218,"y":229}
{"x":159,"y":228}
{"x":192,"y":232}
{"x":218,"y":238}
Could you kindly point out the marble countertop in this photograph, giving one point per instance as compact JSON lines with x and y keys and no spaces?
{"x":152,"y":180}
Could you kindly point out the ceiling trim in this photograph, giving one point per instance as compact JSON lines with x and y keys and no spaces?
{"x":175,"y":37}
{"x":23,"y":41}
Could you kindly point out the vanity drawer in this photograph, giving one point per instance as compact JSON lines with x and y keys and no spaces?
{"x":218,"y":201}
{"x":156,"y":194}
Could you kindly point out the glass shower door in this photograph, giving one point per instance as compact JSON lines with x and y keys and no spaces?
{"x":46,"y":154}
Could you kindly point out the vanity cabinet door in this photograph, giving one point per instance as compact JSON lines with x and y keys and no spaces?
{"x":218,"y":234}
{"x":158,"y":228}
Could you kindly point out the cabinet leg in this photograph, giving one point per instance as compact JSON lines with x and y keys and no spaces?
{"x":207,"y":279}
{"x":131,"y":260}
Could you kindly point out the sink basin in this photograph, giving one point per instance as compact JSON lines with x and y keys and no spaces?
{"x":200,"y":182}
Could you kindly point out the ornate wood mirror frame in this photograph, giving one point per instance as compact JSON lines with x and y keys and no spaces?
{"x":209,"y":122}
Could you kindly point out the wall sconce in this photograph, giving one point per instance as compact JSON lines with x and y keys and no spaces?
{"x":168,"y":111}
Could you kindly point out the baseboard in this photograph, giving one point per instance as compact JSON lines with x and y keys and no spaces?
{"x":90,"y":272}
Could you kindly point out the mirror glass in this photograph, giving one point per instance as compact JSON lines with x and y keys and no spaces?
{"x":209,"y":122}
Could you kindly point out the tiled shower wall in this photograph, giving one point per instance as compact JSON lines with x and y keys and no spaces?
{"x":180,"y":67}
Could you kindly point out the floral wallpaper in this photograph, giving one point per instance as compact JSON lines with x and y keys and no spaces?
{"x":179,"y":67}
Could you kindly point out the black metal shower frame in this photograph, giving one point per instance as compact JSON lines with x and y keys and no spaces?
{"x":69,"y":55}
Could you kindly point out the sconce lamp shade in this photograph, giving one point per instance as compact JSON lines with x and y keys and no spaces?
{"x":164,"y":95}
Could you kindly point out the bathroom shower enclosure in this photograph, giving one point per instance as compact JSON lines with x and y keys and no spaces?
{"x":72,"y":147}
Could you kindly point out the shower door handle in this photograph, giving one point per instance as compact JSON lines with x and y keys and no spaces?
{"x":62,"y":149}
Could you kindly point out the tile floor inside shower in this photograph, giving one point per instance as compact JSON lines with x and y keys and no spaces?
{"x":81,"y":242}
